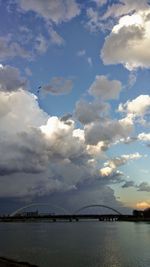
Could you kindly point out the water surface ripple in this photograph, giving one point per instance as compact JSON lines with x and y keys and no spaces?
{"x":77,"y":244}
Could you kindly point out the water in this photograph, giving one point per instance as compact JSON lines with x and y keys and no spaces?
{"x":77,"y":244}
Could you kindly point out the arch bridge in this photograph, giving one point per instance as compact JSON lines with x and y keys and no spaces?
{"x":95,"y":206}
{"x":37,"y":205}
{"x":77,"y":215}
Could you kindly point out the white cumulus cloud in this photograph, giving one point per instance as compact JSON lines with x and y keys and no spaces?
{"x":129,"y":41}
{"x":104,"y":88}
{"x":144,"y":137}
{"x":138,"y":107}
{"x":111,"y":165}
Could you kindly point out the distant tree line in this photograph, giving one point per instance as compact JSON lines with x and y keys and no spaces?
{"x":142,"y":213}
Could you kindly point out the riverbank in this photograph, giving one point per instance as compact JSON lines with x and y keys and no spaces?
{"x":4,"y":262}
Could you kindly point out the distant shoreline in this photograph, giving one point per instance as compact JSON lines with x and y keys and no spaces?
{"x":75,"y":218}
{"x":6,"y":262}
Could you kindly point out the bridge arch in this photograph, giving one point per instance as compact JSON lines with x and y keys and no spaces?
{"x":37,"y":204}
{"x":96,"y":205}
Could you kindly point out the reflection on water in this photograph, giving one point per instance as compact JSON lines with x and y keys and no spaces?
{"x":90,"y":244}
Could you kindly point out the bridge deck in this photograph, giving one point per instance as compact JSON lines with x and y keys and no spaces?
{"x":64,"y":217}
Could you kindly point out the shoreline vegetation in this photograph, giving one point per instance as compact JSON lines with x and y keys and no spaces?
{"x":6,"y":262}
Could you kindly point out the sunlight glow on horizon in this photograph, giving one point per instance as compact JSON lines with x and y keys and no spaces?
{"x":143,"y":205}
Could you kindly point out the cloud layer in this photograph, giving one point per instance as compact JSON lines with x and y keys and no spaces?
{"x":50,"y":154}
{"x":77,"y":156}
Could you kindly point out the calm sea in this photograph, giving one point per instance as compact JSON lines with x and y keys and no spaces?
{"x":77,"y":244}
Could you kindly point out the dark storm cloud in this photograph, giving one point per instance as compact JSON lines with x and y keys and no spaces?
{"x":144,"y":186}
{"x":128,"y":184}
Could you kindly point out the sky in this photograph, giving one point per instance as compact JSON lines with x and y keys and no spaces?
{"x":75,"y":103}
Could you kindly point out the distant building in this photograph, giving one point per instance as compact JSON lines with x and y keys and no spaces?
{"x":29,"y":214}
